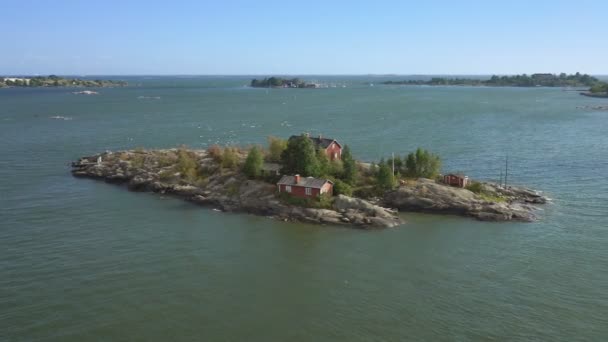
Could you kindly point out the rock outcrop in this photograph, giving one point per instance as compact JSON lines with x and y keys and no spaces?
{"x":223,"y":189}
{"x":516,"y":204}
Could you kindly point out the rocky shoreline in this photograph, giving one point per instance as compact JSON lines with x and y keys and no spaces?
{"x":230,"y":191}
{"x":496,"y":204}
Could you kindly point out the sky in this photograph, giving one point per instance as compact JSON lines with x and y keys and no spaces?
{"x":260,"y":37}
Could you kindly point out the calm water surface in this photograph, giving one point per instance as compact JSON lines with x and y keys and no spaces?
{"x":83,"y":260}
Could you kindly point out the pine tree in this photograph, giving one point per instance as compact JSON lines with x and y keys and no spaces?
{"x":324,"y":163}
{"x":300,"y":157}
{"x":349,"y":166}
{"x":253,"y":163}
{"x":385,"y":178}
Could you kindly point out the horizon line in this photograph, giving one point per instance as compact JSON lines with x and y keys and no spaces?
{"x":312,"y":74}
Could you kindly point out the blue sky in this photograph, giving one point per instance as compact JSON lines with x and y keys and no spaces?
{"x":303,"y":37}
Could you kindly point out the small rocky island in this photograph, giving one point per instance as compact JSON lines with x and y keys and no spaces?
{"x":251,"y":181}
{"x":56,"y":81}
{"x":278,"y":82}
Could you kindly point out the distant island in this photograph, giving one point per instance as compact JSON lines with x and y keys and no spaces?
{"x":56,"y":81}
{"x":277,"y":82}
{"x":534,"y":80}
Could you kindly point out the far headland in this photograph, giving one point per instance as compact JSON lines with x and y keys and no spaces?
{"x":596,"y":88}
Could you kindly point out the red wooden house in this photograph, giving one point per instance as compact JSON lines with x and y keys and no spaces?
{"x":332,"y":147}
{"x":305,"y":187}
{"x":456,"y":179}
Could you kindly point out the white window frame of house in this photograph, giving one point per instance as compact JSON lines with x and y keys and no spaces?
{"x":288,"y":188}
{"x":308,"y":191}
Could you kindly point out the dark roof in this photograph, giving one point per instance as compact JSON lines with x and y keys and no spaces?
{"x":307,"y":182}
{"x":319,"y":142}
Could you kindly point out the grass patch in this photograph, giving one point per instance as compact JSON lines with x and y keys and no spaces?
{"x":492,"y":198}
{"x":487,"y":196}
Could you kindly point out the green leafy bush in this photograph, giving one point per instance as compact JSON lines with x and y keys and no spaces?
{"x":342,"y":188}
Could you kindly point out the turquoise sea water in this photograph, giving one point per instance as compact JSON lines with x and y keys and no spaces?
{"x":83,"y":260}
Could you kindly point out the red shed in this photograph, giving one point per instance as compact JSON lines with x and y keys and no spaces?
{"x":332,"y":147}
{"x":305,"y":187}
{"x":456,"y":179}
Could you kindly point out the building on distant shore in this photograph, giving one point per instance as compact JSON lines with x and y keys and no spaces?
{"x":332,"y":147}
{"x":456,"y":179}
{"x":305,"y":187}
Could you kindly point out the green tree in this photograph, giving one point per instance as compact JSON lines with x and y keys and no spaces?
{"x":336,"y":168}
{"x":342,"y":188}
{"x":300,"y":157}
{"x":253,"y":163}
{"x":276,"y":146}
{"x":324,"y":163}
{"x":349,"y":165}
{"x":385,"y":178}
{"x":422,"y":163}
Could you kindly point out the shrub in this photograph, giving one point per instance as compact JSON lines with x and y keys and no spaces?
{"x":138,"y":161}
{"x":342,"y":188}
{"x":166,"y":159}
{"x":187,"y":165}
{"x":276,"y":146}
{"x":325,"y":201}
{"x":230,"y":159}
{"x":215,"y":152}
{"x":475,"y":187}
{"x":166,"y":175}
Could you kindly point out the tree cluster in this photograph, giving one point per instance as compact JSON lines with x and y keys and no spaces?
{"x":301,"y":157}
{"x":418,"y":164}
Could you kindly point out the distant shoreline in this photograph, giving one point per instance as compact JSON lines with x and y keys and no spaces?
{"x":54,"y":81}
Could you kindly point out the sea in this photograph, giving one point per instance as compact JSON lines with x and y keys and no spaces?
{"x":82,"y":260}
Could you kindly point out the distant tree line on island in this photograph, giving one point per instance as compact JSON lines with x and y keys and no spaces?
{"x":278,"y":82}
{"x":56,"y":81}
{"x":535,"y":80}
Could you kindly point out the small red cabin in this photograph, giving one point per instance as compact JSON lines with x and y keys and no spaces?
{"x":458,"y":180}
{"x":332,"y":147}
{"x":305,"y":187}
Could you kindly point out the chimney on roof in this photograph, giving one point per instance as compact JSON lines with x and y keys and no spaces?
{"x":297,"y":177}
